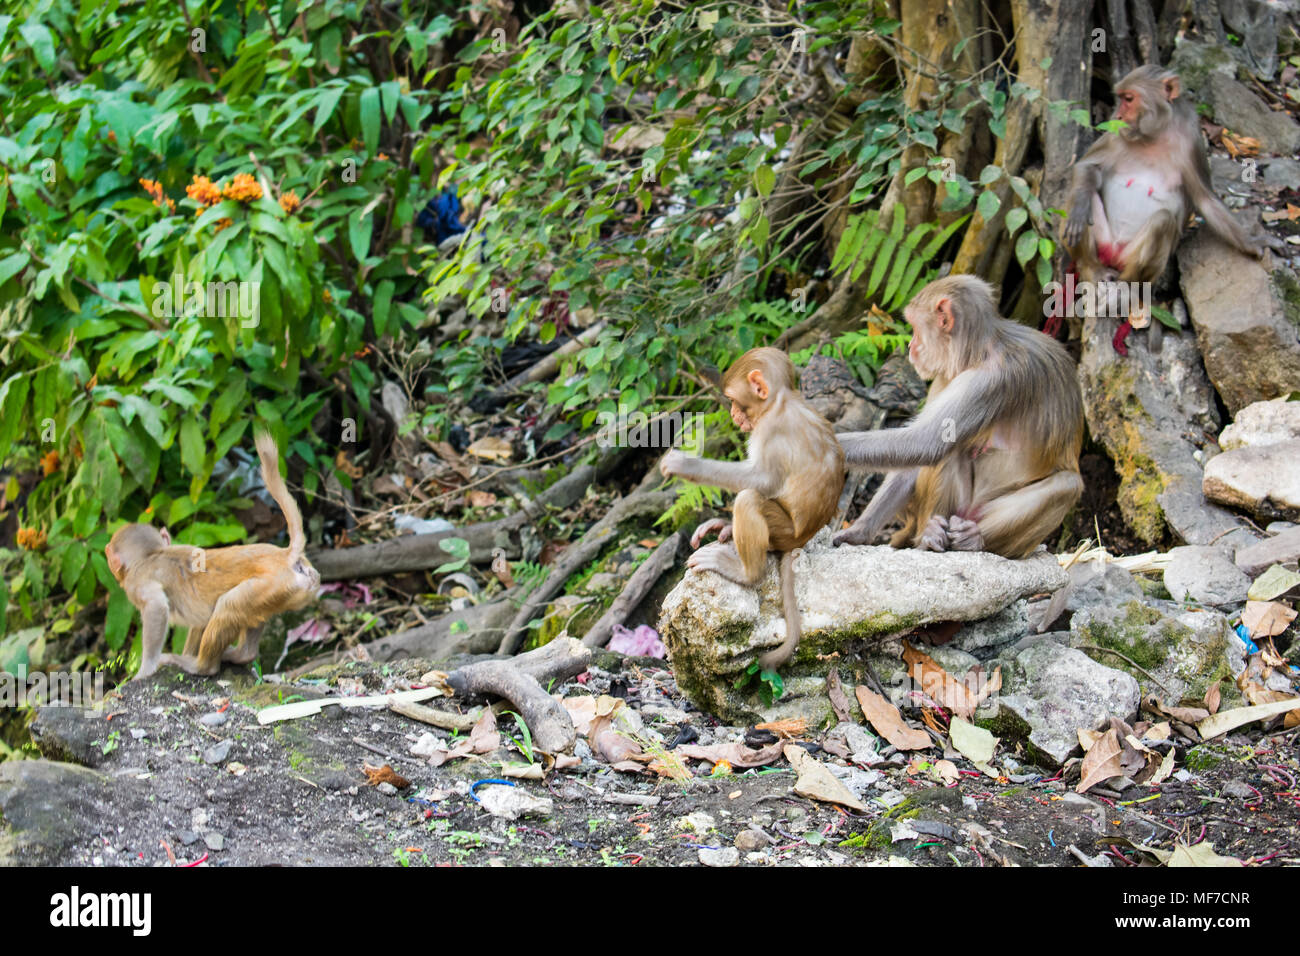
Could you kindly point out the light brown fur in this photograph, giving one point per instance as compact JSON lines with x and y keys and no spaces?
{"x":1152,"y":172}
{"x":223,"y":595}
{"x":992,"y":462}
{"x":786,"y":490}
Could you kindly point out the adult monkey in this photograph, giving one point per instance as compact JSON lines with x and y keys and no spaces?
{"x":1132,"y":190}
{"x":787,"y":488}
{"x":992,"y":461}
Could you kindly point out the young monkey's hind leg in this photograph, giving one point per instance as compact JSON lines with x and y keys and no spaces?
{"x":746,"y":561}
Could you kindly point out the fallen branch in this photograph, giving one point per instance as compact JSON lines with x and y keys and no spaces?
{"x":637,"y":503}
{"x":419,"y":552}
{"x":435,"y":718}
{"x":638,"y":585}
{"x":521,"y":681}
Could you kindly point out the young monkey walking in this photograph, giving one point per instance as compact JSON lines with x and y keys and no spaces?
{"x":787,"y":489}
{"x":222,"y":595}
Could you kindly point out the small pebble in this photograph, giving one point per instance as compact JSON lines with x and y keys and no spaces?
{"x":214,"y":719}
{"x":726,"y":856}
{"x":214,"y":841}
{"x":747,"y":841}
{"x":217,"y":753}
{"x":387,"y":789}
{"x":188,"y":837}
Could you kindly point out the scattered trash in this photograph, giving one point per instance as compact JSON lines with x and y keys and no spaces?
{"x":306,"y":708}
{"x":414,"y":525}
{"x":512,"y":802}
{"x":642,"y":642}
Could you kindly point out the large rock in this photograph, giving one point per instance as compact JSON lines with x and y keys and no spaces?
{"x":1247,"y":321}
{"x":1151,"y":411}
{"x":1174,"y":652}
{"x":1263,"y":479}
{"x":715,"y":629}
{"x":48,"y":808}
{"x":1204,"y":575}
{"x":1237,"y":107}
{"x":1050,"y":692}
{"x":1282,"y":548}
{"x":1262,"y":423}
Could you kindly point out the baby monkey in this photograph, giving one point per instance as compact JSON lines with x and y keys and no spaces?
{"x":223,"y":595}
{"x":787,"y":488}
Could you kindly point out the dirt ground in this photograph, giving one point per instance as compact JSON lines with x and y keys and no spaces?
{"x":294,"y":792}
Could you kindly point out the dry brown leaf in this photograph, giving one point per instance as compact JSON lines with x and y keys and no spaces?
{"x":1187,"y":715}
{"x":839,"y":701}
{"x":481,"y":499}
{"x":884,"y":716}
{"x":1160,"y":731}
{"x":1087,"y":738}
{"x":1266,"y":618}
{"x":946,"y":771}
{"x":816,"y":782}
{"x":342,"y":463}
{"x":1212,"y":697}
{"x":790,"y":727}
{"x":385,"y":774}
{"x":1101,"y":762}
{"x":648,"y":543}
{"x":936,"y":683}
{"x":1238,"y":145}
{"x":491,"y":448}
{"x":736,"y":754}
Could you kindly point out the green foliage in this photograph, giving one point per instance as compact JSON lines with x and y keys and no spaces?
{"x":896,"y":255}
{"x":123,"y":349}
{"x":771,"y":684}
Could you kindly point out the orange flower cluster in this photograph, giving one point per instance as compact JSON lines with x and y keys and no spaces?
{"x":243,"y":188}
{"x":31,"y":539}
{"x":50,"y":463}
{"x":204,"y":192}
{"x":290,"y":201}
{"x":155,"y":191}
{"x":223,"y":223}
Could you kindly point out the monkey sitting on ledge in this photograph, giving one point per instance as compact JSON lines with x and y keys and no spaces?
{"x":222,"y":595}
{"x":992,"y":461}
{"x":787,"y":488}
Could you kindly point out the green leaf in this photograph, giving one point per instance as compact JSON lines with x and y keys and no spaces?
{"x":764,"y":180}
{"x":41,"y":40}
{"x":370,"y":120}
{"x":192,"y":446}
{"x":326,"y":103}
{"x":1026,"y":246}
{"x":988,"y":204}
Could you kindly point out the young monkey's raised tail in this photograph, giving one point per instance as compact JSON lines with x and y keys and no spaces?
{"x":270,"y":456}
